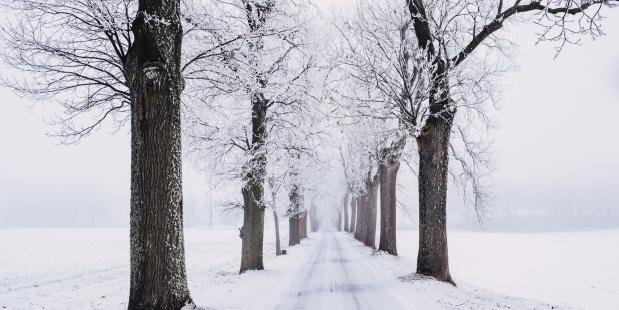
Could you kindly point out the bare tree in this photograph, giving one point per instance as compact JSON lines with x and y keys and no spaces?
{"x":75,"y":54}
{"x":449,"y":34}
{"x":383,"y":85}
{"x":262,"y":81}
{"x":379,"y":59}
{"x":362,"y":179}
{"x":117,"y":59}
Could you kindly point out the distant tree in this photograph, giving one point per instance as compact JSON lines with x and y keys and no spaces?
{"x":346,"y":217}
{"x":361,"y":176}
{"x":369,"y":207}
{"x":378,"y":58}
{"x":296,"y":198}
{"x":313,"y":214}
{"x":350,"y":185}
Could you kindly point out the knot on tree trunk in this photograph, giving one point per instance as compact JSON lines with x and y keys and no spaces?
{"x":150,"y":81}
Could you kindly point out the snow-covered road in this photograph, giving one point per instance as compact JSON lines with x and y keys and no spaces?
{"x":335,"y":275}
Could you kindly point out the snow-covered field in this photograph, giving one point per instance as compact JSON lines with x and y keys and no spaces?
{"x":575,"y":268}
{"x":88,"y":269}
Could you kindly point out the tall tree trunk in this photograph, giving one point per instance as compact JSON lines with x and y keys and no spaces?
{"x":370,"y":219}
{"x":253,"y":191}
{"x":353,"y":214}
{"x":432,"y":258}
{"x":274,"y":189}
{"x":358,"y":218}
{"x":157,"y":252}
{"x":253,"y":230}
{"x":388,"y":167}
{"x":303,"y":225}
{"x":360,"y":232}
{"x":433,"y":146}
{"x":433,"y":142}
{"x":388,"y":172}
{"x":294,"y":236}
{"x":294,"y":233}
{"x":311,"y":216}
{"x":345,"y":207}
{"x":278,"y":245}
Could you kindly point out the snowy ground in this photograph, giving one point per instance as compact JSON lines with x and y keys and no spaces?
{"x":575,"y":268}
{"x":87,"y":269}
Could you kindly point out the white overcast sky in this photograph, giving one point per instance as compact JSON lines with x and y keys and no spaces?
{"x":558,"y":135}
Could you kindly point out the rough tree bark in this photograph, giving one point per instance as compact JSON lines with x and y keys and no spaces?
{"x":294,"y":233}
{"x":274,"y":189}
{"x":370,"y":210}
{"x":432,"y":258}
{"x":358,"y":217}
{"x":294,"y":237}
{"x":353,"y":214}
{"x":278,"y":245}
{"x":345,"y":207}
{"x":433,"y":143}
{"x":360,"y":225}
{"x":388,"y":172}
{"x":303,"y":225}
{"x":252,"y":234}
{"x":158,"y":276}
{"x":433,"y":148}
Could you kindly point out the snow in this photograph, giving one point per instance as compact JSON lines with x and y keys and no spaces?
{"x":576,"y":268}
{"x":88,"y":269}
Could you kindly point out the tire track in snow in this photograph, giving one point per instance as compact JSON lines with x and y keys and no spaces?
{"x":337,"y":276}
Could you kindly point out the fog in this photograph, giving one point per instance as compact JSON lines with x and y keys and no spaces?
{"x":556,"y":151}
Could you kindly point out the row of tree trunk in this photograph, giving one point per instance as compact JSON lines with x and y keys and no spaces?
{"x":432,"y":256}
{"x":365,"y":212}
{"x":297,"y":227}
{"x":363,"y":204}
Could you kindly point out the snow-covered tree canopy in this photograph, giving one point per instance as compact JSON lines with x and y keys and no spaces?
{"x":273,"y":61}
{"x":369,"y":72}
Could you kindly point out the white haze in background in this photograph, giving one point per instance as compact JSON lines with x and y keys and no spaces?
{"x":557,"y":149}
